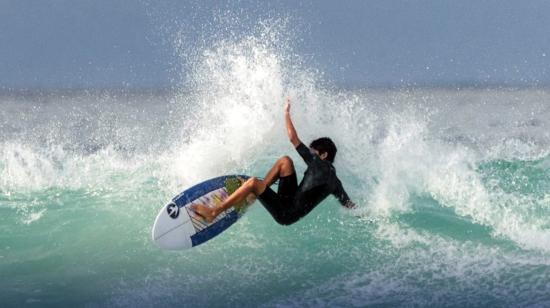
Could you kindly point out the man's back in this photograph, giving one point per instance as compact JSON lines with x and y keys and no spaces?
{"x":320,"y":180}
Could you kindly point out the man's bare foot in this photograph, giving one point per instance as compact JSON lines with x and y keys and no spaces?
{"x":206,"y":212}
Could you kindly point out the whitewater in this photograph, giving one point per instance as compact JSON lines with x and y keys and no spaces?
{"x":452,"y":187}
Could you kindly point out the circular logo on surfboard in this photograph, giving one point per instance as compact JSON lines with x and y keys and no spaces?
{"x":173,"y":210}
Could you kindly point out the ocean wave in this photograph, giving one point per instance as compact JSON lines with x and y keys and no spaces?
{"x":416,"y":161}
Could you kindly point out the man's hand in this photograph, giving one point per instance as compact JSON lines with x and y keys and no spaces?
{"x":292,"y":135}
{"x":350,"y":205}
{"x":287,"y":105}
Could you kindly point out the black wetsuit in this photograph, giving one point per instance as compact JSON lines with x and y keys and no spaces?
{"x":293,"y":201}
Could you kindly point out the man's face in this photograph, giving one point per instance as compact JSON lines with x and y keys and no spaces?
{"x":321,"y":156}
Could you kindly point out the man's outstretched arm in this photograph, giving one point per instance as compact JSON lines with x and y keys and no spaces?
{"x":343,"y":197}
{"x":292,"y":135}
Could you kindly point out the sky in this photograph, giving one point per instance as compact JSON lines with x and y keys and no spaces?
{"x":112,"y":44}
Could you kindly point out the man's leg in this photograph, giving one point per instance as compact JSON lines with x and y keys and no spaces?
{"x":282,"y":167}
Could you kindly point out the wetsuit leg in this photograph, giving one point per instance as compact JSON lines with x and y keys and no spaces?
{"x":288,"y":185}
{"x":280,"y":204}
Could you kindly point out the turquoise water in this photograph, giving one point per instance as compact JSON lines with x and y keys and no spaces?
{"x":452,"y":187}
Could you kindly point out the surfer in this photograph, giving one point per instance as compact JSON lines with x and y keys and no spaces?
{"x":292,"y":200}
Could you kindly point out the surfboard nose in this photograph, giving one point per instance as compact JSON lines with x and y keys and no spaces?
{"x":171,"y":226}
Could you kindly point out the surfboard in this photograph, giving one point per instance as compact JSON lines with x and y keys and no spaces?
{"x":177,"y":226}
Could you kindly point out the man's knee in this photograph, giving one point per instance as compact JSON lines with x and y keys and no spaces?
{"x":252,"y":181}
{"x":286,"y":165}
{"x":256,"y":185}
{"x":286,"y":160}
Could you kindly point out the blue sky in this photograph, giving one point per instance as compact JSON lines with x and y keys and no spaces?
{"x":98,"y":44}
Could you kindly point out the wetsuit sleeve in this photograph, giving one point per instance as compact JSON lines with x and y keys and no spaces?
{"x":342,"y":196}
{"x":304,"y":152}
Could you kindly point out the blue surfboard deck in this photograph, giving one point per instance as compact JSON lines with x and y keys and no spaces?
{"x":178,"y":227}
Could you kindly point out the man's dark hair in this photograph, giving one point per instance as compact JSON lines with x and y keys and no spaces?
{"x":325,"y":145}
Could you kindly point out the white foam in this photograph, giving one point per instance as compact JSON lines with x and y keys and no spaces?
{"x":32,"y":217}
{"x":26,"y":167}
{"x":410,"y":162}
{"x":235,"y":111}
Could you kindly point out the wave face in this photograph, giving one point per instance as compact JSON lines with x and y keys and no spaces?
{"x":453,"y":189}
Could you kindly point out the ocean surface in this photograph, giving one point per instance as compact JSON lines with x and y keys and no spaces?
{"x":452,"y":187}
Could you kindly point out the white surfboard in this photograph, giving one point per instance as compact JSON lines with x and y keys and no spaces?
{"x":177,"y":226}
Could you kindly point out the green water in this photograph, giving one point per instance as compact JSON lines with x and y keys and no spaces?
{"x":86,"y":246}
